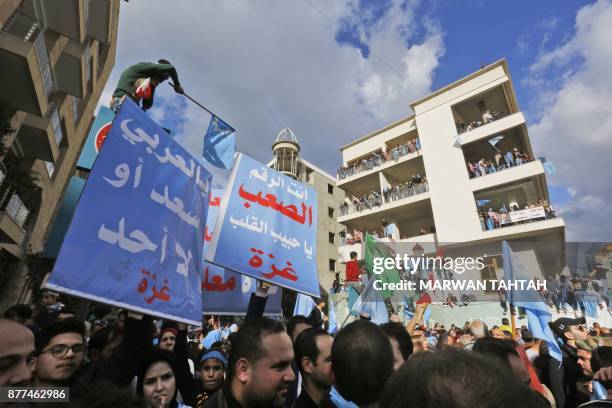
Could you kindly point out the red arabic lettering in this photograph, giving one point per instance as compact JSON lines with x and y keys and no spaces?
{"x":270,"y":201}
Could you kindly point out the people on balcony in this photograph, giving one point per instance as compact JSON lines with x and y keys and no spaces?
{"x":416,"y":185}
{"x":499,"y":162}
{"x":491,"y":219}
{"x":378,"y":158}
{"x":486,"y":117}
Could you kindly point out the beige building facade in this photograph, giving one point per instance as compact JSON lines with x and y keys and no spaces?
{"x":55,"y":58}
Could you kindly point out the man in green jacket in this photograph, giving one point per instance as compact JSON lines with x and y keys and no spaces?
{"x":139,"y":81}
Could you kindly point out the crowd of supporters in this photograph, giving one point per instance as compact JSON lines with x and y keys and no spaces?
{"x":378,"y":159}
{"x":127,"y":359}
{"x":491,"y":219}
{"x":499,"y":162}
{"x":487,"y":117}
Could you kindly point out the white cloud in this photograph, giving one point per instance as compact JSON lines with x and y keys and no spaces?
{"x":575,"y":121}
{"x":264,"y":67}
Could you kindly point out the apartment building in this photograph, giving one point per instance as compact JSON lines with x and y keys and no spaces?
{"x":458,"y":176}
{"x":329,"y":197}
{"x":55,"y":58}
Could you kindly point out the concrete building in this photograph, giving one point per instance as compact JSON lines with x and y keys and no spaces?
{"x":55,"y":58}
{"x":329,"y":197}
{"x":418,"y":175}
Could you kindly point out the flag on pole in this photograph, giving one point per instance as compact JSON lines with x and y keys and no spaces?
{"x":303,"y":305}
{"x":372,"y":303}
{"x":219,"y":144}
{"x":377,"y":249}
{"x":538,"y":313}
{"x":332,"y":323}
{"x":495,"y":140}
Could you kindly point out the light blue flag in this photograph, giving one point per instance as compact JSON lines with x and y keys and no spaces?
{"x":538,"y":313}
{"x":458,"y":141}
{"x":212,"y":337}
{"x":372,"y":303}
{"x":590,"y":302}
{"x":549,"y":168}
{"x":303,"y":305}
{"x":495,"y":140}
{"x":332,"y":323}
{"x":427,"y":315}
{"x":482,"y":202}
{"x":219,"y":144}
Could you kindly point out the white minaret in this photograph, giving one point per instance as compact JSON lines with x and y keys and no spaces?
{"x":286,"y":149}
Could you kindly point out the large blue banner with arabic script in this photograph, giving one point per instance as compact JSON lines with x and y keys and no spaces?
{"x":137,"y":235}
{"x":225,"y":292}
{"x":267,"y":228}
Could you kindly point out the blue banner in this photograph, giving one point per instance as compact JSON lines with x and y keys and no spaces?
{"x":267,"y":228}
{"x":136,"y":238}
{"x":225,"y":292}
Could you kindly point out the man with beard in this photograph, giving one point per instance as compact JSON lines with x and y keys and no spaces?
{"x":60,"y":349}
{"x":571,"y":331}
{"x":313,"y":357}
{"x":259,"y":369}
{"x":17,"y":359}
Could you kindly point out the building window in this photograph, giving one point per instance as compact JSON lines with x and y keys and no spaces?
{"x":332,"y":265}
{"x":330,"y":189}
{"x":331,"y":237}
{"x":330,"y":212}
{"x":50,"y":168}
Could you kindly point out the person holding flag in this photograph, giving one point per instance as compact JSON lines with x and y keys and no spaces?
{"x":139,"y":81}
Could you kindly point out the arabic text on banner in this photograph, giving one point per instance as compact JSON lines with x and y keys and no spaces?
{"x":137,"y":235}
{"x":225,"y":292}
{"x":267,"y":228}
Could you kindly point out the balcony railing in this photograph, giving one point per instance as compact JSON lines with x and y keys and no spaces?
{"x":406,"y":191}
{"x":488,"y":167}
{"x":378,"y":159}
{"x":490,"y":220}
{"x":2,"y":173}
{"x":17,"y":210}
{"x":53,"y":115}
{"x":486,"y":118}
{"x":367,"y":203}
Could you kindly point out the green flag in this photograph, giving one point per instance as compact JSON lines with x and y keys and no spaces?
{"x":376,"y":249}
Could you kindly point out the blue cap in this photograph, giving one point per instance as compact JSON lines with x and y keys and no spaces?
{"x":214,"y":354}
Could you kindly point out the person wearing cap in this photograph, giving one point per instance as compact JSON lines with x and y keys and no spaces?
{"x":211,"y":374}
{"x":571,"y":331}
{"x":138,"y":82}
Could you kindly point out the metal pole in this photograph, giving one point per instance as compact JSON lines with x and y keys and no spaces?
{"x":202,"y":106}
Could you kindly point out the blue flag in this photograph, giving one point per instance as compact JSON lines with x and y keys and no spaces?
{"x":136,"y":238}
{"x":549,"y":168}
{"x":538,"y":313}
{"x":372,"y":303}
{"x":219,"y":144}
{"x":495,"y":140}
{"x":480,"y":203}
{"x":303,"y":305}
{"x":332,"y":323}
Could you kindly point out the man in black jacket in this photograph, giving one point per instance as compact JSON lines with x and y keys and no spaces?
{"x":313,"y":357}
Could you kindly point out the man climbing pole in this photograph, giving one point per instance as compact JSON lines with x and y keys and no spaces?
{"x":140,"y":80}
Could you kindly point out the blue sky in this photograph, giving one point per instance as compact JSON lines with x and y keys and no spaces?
{"x":335,"y":71}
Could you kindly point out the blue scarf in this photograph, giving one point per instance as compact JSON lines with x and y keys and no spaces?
{"x":339,"y":401}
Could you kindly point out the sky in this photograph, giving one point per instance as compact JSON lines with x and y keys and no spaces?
{"x":334,"y":71}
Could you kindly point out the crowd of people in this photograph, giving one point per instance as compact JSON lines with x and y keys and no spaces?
{"x":126,"y":362}
{"x":491,"y":219}
{"x":396,"y":191}
{"x":499,"y":162}
{"x":378,"y":159}
{"x":487,"y":117}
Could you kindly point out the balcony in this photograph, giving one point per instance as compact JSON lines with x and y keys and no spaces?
{"x":25,"y":60}
{"x":99,"y":20}
{"x":13,"y":216}
{"x":493,"y":128}
{"x":71,"y":69}
{"x":515,"y":206}
{"x":379,"y":160}
{"x":40,"y":137}
{"x":66,"y":17}
{"x":401,"y":246}
{"x":483,"y":109}
{"x":523,"y":171}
